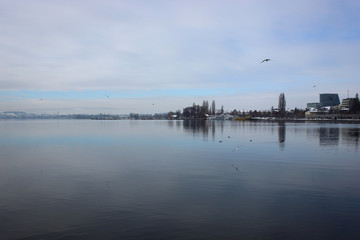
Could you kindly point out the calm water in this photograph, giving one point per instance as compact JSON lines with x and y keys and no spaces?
{"x":179,"y":180}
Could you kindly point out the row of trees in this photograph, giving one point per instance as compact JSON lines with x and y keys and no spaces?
{"x":197,"y":111}
{"x":202,"y":111}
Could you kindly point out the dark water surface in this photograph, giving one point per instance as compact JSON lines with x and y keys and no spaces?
{"x":88,"y":179}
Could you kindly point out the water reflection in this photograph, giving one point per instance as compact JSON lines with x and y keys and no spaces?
{"x":164,"y":180}
{"x":281,"y":134}
{"x":335,"y":135}
{"x":350,"y":136}
{"x":329,"y":136}
{"x":202,"y":126}
{"x":236,"y":129}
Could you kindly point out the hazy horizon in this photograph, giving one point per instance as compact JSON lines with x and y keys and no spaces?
{"x":119,"y":57}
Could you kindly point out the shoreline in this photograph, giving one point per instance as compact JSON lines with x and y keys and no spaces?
{"x":304,"y":120}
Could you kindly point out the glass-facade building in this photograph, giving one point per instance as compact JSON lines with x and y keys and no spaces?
{"x":329,"y":99}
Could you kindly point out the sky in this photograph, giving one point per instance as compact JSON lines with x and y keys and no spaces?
{"x":154,"y":56}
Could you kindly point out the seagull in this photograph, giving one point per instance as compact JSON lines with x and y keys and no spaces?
{"x":265,"y":60}
{"x":314,"y":86}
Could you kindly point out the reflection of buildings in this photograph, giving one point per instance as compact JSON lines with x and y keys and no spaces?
{"x":350,"y":136}
{"x":326,"y":135}
{"x":333,"y":136}
{"x":329,"y":136}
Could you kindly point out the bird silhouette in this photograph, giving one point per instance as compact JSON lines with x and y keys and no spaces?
{"x":265,"y":60}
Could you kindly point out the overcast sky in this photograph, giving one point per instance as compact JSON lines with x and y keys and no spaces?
{"x":114,"y":56}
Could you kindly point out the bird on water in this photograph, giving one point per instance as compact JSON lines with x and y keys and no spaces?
{"x":265,"y":60}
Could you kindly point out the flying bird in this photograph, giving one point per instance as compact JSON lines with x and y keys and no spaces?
{"x":314,"y":86}
{"x":265,"y":60}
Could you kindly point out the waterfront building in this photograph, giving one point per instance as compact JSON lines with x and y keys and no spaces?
{"x":326,"y":100}
{"x":348,"y":102}
{"x":329,"y":99}
{"x":352,"y":104}
{"x":315,"y":105}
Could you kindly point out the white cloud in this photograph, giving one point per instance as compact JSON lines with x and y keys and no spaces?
{"x":146,"y":45}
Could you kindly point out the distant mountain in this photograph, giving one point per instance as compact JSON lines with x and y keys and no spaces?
{"x":15,"y":114}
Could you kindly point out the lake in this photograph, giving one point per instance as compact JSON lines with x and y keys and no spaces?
{"x":87,"y":179}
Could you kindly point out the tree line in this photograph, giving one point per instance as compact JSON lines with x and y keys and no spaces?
{"x":205,"y":110}
{"x":197,"y":111}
